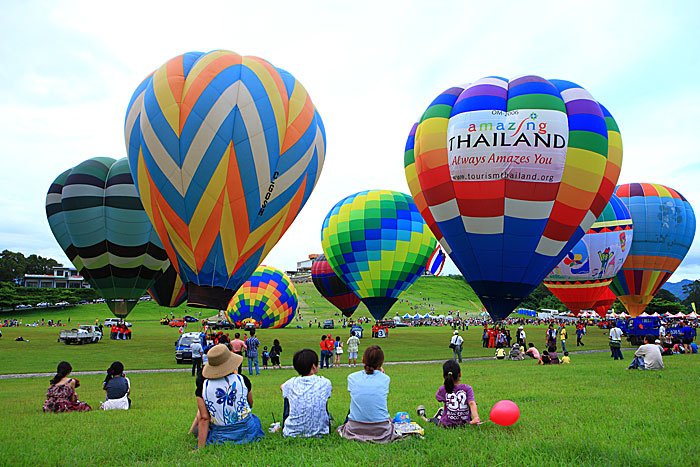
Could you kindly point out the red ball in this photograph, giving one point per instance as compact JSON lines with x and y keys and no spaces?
{"x":505,"y":413}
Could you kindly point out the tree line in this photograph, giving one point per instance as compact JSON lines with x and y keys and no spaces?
{"x":14,"y":265}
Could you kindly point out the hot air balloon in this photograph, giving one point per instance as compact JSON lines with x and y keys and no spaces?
{"x":225,"y":151}
{"x":604,"y":303}
{"x":378,"y":244}
{"x":168,"y":289}
{"x":332,"y":288}
{"x":268,"y":297}
{"x":507,"y":174}
{"x":97,"y":218}
{"x":587,"y":270}
{"x":664,"y":227}
{"x":436,"y":262}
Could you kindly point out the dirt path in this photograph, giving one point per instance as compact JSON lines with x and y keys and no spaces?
{"x":185,"y":369}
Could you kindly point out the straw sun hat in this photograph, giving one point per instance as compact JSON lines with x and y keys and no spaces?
{"x":222,"y":362}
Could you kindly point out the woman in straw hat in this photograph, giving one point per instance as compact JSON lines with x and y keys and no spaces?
{"x":224,"y":402}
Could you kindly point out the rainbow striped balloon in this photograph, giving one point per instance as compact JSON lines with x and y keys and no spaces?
{"x":97,"y":218}
{"x":225,"y":151}
{"x":664,"y":228}
{"x":268,"y":297}
{"x":508,"y":176}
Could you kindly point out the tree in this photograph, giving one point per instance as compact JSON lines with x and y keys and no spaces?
{"x":661,"y":306}
{"x":40,"y":265}
{"x":12,"y":266}
{"x":666,"y":295}
{"x":541,"y":297}
{"x":693,"y":291}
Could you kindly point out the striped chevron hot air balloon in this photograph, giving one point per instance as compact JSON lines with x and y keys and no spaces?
{"x":168,"y":290}
{"x":97,"y":218}
{"x":225,"y":151}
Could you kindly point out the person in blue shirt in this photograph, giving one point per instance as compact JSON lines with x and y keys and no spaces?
{"x":252,"y":344}
{"x":688,"y":336}
{"x":369,"y":419}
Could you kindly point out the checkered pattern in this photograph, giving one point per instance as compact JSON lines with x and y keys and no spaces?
{"x":268,"y":297}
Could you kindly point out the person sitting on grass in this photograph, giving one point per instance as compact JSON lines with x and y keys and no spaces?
{"x":648,"y":356}
{"x":515,"y":353}
{"x":117,"y":387}
{"x":500,"y":353}
{"x":544,"y":359}
{"x":553,"y":355}
{"x":61,"y":396}
{"x":566,"y":358}
{"x":532,"y":351}
{"x":224,"y":402}
{"x":368,"y":419}
{"x":306,"y":398}
{"x":459,"y":407}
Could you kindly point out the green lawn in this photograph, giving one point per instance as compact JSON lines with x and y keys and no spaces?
{"x":592,"y":412}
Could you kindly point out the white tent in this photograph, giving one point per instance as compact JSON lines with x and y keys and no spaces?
{"x":656,"y":314}
{"x":441,"y":317}
{"x":417,"y":316}
{"x":678,"y":315}
{"x":406,"y":316}
{"x":644,"y":315}
{"x":692,"y":315}
{"x":426,"y":316}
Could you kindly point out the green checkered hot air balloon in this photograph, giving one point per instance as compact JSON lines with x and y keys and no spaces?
{"x":377,"y":242}
{"x":97,"y":218}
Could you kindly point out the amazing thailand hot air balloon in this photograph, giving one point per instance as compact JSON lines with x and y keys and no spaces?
{"x":604,"y":303}
{"x":97,"y":217}
{"x":378,"y":244}
{"x":225,"y":151}
{"x":268,"y":297}
{"x":587,"y":270}
{"x":509,"y":175}
{"x":332,"y":288}
{"x":168,"y":289}
{"x":664,"y":227}
{"x":436,"y":262}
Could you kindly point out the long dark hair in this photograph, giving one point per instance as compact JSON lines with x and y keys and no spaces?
{"x":451,"y":372}
{"x":62,"y":371}
{"x":115,"y":369}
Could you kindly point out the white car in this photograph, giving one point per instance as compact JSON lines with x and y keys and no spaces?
{"x":43,"y":304}
{"x":109,"y":322}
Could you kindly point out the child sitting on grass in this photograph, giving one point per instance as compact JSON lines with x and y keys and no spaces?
{"x":306,"y":398}
{"x":459,"y":406}
{"x":566,"y":358}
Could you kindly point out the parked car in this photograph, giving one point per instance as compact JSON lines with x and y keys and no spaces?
{"x":85,"y":334}
{"x":44,"y":304}
{"x":109,"y":322}
{"x":182,"y":345}
{"x":61,"y":304}
{"x":219,"y":324}
{"x":176,"y":323}
{"x":190,"y":319}
{"x":328,"y":324}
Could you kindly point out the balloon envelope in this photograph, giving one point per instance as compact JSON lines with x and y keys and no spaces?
{"x":507,"y":174}
{"x":436,"y":262}
{"x":168,"y":290}
{"x":505,"y":413}
{"x":268,"y":297}
{"x":604,"y":303}
{"x":664,"y":228}
{"x":97,"y":217}
{"x":332,"y":288}
{"x":225,"y":151}
{"x":377,"y":242}
{"x":587,"y":270}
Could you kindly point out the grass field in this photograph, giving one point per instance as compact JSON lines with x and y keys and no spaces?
{"x":592,"y":412}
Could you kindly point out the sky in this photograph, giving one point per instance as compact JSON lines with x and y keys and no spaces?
{"x":371,"y":68}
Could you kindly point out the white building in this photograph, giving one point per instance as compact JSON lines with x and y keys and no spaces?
{"x":61,"y":278}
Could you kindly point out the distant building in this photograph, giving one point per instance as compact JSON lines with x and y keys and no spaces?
{"x":303,"y":272}
{"x":61,"y":278}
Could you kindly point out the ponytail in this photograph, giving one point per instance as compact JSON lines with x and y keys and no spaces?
{"x":451,"y":372}
{"x":62,"y":371}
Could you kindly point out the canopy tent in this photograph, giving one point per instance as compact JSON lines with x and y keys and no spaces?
{"x":441,"y":317}
{"x":417,"y":316}
{"x":656,"y":314}
{"x":644,"y":315}
{"x":692,"y":315}
{"x":678,"y":315}
{"x":426,"y":316}
{"x":406,"y":316}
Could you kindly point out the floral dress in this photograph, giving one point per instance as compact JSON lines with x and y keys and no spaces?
{"x":63,"y":399}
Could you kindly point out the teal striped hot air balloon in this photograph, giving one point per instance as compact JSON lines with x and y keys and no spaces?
{"x":97,"y":218}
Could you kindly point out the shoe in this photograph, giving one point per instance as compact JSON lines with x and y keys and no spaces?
{"x":421,"y":411}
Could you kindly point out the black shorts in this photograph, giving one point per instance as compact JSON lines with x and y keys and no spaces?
{"x":687,"y":340}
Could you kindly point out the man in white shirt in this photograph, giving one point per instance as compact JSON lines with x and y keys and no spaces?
{"x":648,"y":356}
{"x":456,"y":344}
{"x":616,"y":342}
{"x":197,"y":351}
{"x":662,"y":331}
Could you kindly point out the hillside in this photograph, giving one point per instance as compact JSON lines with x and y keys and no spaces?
{"x":676,"y":288}
{"x":429,"y":294}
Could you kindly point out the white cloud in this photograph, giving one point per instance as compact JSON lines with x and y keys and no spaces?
{"x":370,"y":67}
